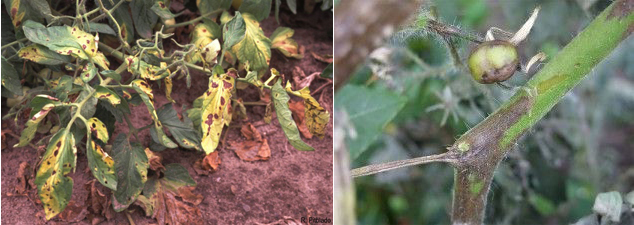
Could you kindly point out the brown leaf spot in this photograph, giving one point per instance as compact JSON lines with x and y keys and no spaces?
{"x":227,"y":85}
{"x":214,"y":84}
{"x":222,"y":100}
{"x":622,"y":8}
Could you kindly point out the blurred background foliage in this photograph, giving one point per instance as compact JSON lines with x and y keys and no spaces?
{"x":411,"y":100}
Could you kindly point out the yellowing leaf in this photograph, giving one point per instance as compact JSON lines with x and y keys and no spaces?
{"x":98,"y":129}
{"x":255,"y":48}
{"x":144,"y":90}
{"x":101,"y":165}
{"x":282,"y":41}
{"x":107,"y":94}
{"x":41,"y":106}
{"x":280,"y":100}
{"x":168,"y":88}
{"x":53,"y":186}
{"x":216,"y":103}
{"x":201,"y":36}
{"x":40,"y":54}
{"x":316,"y":116}
{"x":146,"y":70}
{"x":88,"y":72}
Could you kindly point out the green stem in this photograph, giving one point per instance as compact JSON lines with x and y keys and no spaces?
{"x":13,"y":43}
{"x":194,"y":20}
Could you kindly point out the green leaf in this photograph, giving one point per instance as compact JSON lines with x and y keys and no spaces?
{"x":326,"y":4}
{"x":234,"y":31}
{"x":327,"y":73}
{"x":107,"y":94}
{"x":369,"y":110}
{"x":215,"y":110}
{"x":11,"y":78}
{"x":101,"y":28}
{"x":282,"y":41}
{"x":41,"y":105}
{"x":53,"y":186}
{"x":144,"y":18}
{"x":112,"y":74}
{"x":123,"y":18}
{"x":184,"y":133}
{"x":101,"y":165}
{"x":162,"y":10}
{"x":292,"y":4}
{"x":146,"y":70}
{"x":40,"y":54}
{"x":88,"y":110}
{"x":280,"y":100}
{"x":255,"y":48}
{"x":42,"y":8}
{"x":131,"y":164}
{"x":206,"y":6}
{"x":66,"y":40}
{"x":260,"y":9}
{"x":145,"y":92}
{"x":277,"y":10}
{"x":543,"y":205}
{"x":609,"y":204}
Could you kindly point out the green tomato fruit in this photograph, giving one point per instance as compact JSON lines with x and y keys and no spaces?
{"x":493,"y":61}
{"x":17,"y":99}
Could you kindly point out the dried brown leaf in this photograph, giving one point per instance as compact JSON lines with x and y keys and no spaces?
{"x":297,"y":108}
{"x":25,"y":179}
{"x":98,"y":202}
{"x":73,"y":213}
{"x":324,"y":58}
{"x":254,"y":148}
{"x":208,"y":164}
{"x":154,"y":160}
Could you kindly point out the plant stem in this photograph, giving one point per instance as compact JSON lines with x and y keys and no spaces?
{"x":15,"y":42}
{"x":377,"y":168}
{"x":194,"y":20}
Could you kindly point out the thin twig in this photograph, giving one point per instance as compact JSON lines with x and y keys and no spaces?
{"x":377,"y":168}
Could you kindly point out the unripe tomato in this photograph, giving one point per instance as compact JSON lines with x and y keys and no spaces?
{"x":493,"y":61}
{"x":236,"y":4}
{"x":17,"y":99}
{"x":169,"y":22}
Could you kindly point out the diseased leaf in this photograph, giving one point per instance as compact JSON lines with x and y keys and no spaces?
{"x":98,"y":129}
{"x":297,"y":108}
{"x":53,"y":186}
{"x":282,"y":41}
{"x":316,"y":116}
{"x":66,"y":40}
{"x":233,"y":31}
{"x":88,"y":110}
{"x":101,"y":164}
{"x":41,"y":105}
{"x":42,"y":8}
{"x":40,"y":54}
{"x":159,"y":197}
{"x":260,"y":9}
{"x":131,"y":165}
{"x":215,"y":108}
{"x":201,"y":36}
{"x":112,"y":74}
{"x":168,"y":88}
{"x":254,"y":148}
{"x":21,"y":11}
{"x":162,"y":10}
{"x":11,"y":78}
{"x":101,"y":28}
{"x":144,"y":18}
{"x":146,"y":70}
{"x":88,"y":72}
{"x":280,"y":100}
{"x":184,"y":133}
{"x":107,"y":94}
{"x":155,"y":161}
{"x":206,"y":6}
{"x":144,"y":90}
{"x":255,"y":48}
{"x":208,"y":164}
{"x":124,"y":19}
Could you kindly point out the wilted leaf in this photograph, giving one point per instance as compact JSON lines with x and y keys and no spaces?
{"x":144,"y":90}
{"x":168,"y":88}
{"x":154,"y":160}
{"x":255,"y":48}
{"x":162,"y":10}
{"x":183,"y":132}
{"x":326,"y":58}
{"x":25,"y":179}
{"x":260,"y":9}
{"x":369,"y":110}
{"x":254,"y":148}
{"x":146,"y":70}
{"x":40,"y":54}
{"x":316,"y":117}
{"x":201,"y":36}
{"x":131,"y":165}
{"x":233,"y":31}
{"x":101,"y":164}
{"x":210,"y":52}
{"x":215,"y":110}
{"x":211,"y":163}
{"x":609,"y":204}
{"x":282,"y":41}
{"x":105,"y":93}
{"x":297,"y":108}
{"x":66,"y":40}
{"x":53,"y":186}
{"x":97,"y":202}
{"x":144,"y":18}
{"x":280,"y":100}
{"x":10,"y":78}
{"x":160,"y":201}
{"x":41,"y":105}
{"x":73,"y":213}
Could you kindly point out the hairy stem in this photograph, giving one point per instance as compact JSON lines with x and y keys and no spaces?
{"x":377,"y":168}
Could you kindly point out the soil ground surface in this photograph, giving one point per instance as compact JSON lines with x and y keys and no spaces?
{"x":291,"y":183}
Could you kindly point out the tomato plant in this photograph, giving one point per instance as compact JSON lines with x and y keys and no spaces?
{"x":72,"y":77}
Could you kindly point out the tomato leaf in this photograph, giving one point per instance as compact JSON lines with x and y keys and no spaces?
{"x":280,"y":100}
{"x":41,"y":105}
{"x":53,"y":186}
{"x":123,"y":18}
{"x":101,"y":28}
{"x":206,"y":6}
{"x":144,"y":18}
{"x":234,"y":31}
{"x":316,"y":117}
{"x":40,"y":54}
{"x":98,"y":129}
{"x":11,"y":78}
{"x":201,"y":36}
{"x":183,"y":132}
{"x":282,"y":41}
{"x":162,"y":10}
{"x":260,"y":9}
{"x":101,"y":164}
{"x":107,"y":94}
{"x":214,"y":114}
{"x":131,"y":165}
{"x":144,"y":90}
{"x":255,"y":48}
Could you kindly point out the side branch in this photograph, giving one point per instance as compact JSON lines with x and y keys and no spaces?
{"x":447,"y":157}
